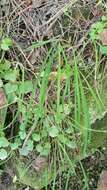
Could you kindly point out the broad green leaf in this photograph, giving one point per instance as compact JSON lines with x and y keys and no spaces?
{"x":3,"y":142}
{"x":11,"y":97}
{"x":36,"y":137}
{"x":69,"y":130}
{"x":63,"y":139}
{"x":14,"y":146}
{"x":53,"y":131}
{"x":104,"y":18}
{"x":46,"y":149}
{"x":21,"y":108}
{"x":67,"y":109}
{"x":1,"y":83}
{"x":1,"y":32}
{"x":103,"y":50}
{"x":25,"y":87}
{"x":18,"y":141}
{"x":14,"y":179}
{"x":38,"y":112}
{"x":44,"y":133}
{"x":4,"y":65}
{"x":24,"y":151}
{"x":22,"y":126}
{"x":71,"y":144}
{"x":11,"y":75}
{"x":10,"y":88}
{"x":3,"y":154}
{"x":39,"y":148}
{"x":29,"y":147}
{"x":6,"y":43}
{"x":22,"y":134}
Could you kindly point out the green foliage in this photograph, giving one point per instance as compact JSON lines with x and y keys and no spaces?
{"x":6,"y":43}
{"x":40,"y":124}
{"x":3,"y":142}
{"x":65,"y":141}
{"x":14,"y":146}
{"x":11,"y":75}
{"x":53,"y":131}
{"x":103,"y":50}
{"x":97,"y":28}
{"x":24,"y":151}
{"x":10,"y":88}
{"x":95,"y":32}
{"x":36,"y":137}
{"x":44,"y":150}
{"x":3,"y":154}
{"x":22,"y":131}
{"x":25,"y":87}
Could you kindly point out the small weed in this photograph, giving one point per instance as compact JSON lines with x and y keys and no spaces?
{"x":98,"y":34}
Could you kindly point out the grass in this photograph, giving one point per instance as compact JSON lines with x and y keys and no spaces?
{"x":38,"y":115}
{"x":41,"y":112}
{"x":50,"y":107}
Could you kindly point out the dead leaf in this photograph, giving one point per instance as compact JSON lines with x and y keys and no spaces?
{"x":3,"y":99}
{"x":53,"y":76}
{"x":34,"y":3}
{"x":27,"y":2}
{"x":39,"y":163}
{"x":102,"y":184}
{"x":103,"y":37}
{"x":38,"y":3}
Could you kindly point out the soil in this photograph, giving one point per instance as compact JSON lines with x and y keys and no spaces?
{"x":93,"y":166}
